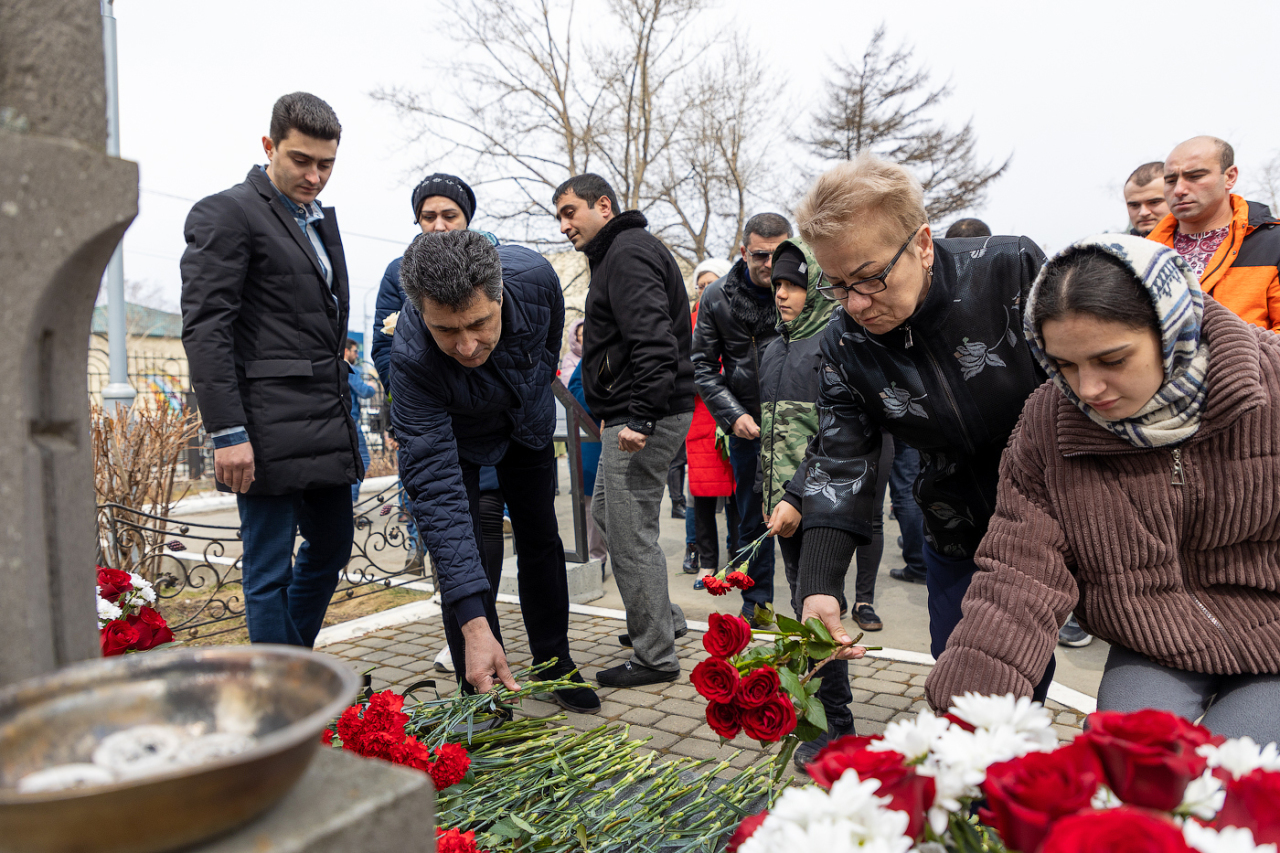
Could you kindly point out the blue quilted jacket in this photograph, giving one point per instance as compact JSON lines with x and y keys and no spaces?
{"x":443,"y":412}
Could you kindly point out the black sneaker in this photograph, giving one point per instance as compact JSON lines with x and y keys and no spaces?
{"x":866,"y":618}
{"x":907,"y":574}
{"x":808,"y":750}
{"x":1072,"y":635}
{"x":632,"y":674}
{"x":690,"y":566}
{"x":625,"y":639}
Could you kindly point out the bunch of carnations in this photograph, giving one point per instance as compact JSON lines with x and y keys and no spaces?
{"x":455,"y":841}
{"x":733,"y":575}
{"x":126,"y":620}
{"x":376,"y":730}
{"x":1145,"y":781}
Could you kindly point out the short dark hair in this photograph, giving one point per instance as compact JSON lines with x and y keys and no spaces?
{"x":351,"y":342}
{"x":968,"y":228}
{"x":767,"y":225}
{"x":1226,"y":154}
{"x":589,"y":187}
{"x":1146,"y":173}
{"x":448,"y":268}
{"x":1091,"y":281}
{"x":305,"y":113}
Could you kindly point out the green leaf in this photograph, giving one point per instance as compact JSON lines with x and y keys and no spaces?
{"x":506,"y":828}
{"x":807,"y":731}
{"x":522,"y":824}
{"x":813,"y":685}
{"x":820,"y":651}
{"x":814,"y":712}
{"x":790,"y":682}
{"x":789,"y":646}
{"x":817,"y":629}
{"x":582,"y":834}
{"x":763,"y":615}
{"x":789,"y":625}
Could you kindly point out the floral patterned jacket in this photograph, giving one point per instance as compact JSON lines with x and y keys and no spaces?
{"x":950,"y":382}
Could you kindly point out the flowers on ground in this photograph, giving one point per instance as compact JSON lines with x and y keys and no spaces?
{"x":126,"y":622}
{"x":377,"y":730}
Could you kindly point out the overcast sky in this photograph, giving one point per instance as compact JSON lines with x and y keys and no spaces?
{"x":1079,"y":93}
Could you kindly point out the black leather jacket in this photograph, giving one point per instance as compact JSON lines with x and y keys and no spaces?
{"x":951,"y":382}
{"x":733,"y":329}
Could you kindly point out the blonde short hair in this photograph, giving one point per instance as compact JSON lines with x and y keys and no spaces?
{"x":865,"y":192}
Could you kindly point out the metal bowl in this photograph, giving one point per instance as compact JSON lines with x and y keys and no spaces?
{"x":281,"y":695}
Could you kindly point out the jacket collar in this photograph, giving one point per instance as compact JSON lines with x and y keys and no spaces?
{"x":600,"y":244}
{"x":932,"y":312}
{"x":1234,"y":379}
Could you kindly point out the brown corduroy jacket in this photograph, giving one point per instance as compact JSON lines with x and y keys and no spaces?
{"x":1182,"y":566}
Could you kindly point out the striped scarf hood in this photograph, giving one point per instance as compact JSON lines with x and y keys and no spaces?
{"x":1173,"y":414}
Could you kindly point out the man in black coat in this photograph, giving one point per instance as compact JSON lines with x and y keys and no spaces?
{"x":638,"y":380}
{"x":264,"y":318}
{"x":736,"y":320}
{"x":474,"y":354}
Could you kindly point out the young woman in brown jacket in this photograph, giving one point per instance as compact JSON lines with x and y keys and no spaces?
{"x":1141,"y":490}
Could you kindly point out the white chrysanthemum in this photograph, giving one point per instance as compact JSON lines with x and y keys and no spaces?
{"x":913,"y":738}
{"x":1024,"y":716}
{"x":1241,"y":756}
{"x":850,"y":817}
{"x":1105,"y":798}
{"x":107,"y":611}
{"x":1204,"y":797}
{"x":389,"y":324}
{"x":1229,"y":839}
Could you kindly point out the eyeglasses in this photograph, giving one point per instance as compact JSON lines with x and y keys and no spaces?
{"x":866,"y":286}
{"x":761,"y":255}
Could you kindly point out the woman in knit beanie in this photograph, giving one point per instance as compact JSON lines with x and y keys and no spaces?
{"x":1140,"y":490}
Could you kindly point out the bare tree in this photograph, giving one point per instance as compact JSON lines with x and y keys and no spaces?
{"x":883,"y":102}
{"x":1265,"y":186}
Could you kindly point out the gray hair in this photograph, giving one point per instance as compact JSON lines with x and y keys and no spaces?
{"x":449,"y":268}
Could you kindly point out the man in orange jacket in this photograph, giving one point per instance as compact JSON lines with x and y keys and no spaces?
{"x":1233,"y":245}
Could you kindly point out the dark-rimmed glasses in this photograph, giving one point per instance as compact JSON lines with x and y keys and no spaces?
{"x":866,"y":286}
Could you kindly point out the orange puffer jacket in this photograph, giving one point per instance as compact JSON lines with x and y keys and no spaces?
{"x":1242,"y":274}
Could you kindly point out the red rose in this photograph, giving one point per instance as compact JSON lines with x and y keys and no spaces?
{"x":739,"y":580}
{"x":836,"y":757}
{"x":113,"y":582}
{"x":907,"y":790}
{"x":1148,"y":756}
{"x":453,"y":841}
{"x":450,"y":765}
{"x":1027,"y":795}
{"x":117,"y":637}
{"x":745,"y":830}
{"x":770,"y":722}
{"x":1251,"y":803}
{"x":1122,"y":830}
{"x":715,"y":679}
{"x":758,"y":686}
{"x":726,"y":636}
{"x":715,"y":586}
{"x":159,"y":628}
{"x":725,"y":719}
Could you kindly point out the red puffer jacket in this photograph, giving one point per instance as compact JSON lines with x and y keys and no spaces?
{"x":710,"y":475}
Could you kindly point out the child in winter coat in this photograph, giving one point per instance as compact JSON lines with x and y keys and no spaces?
{"x":789,"y":370}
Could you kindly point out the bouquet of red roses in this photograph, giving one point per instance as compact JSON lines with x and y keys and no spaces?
{"x":1144,"y":781}
{"x":126,"y":620}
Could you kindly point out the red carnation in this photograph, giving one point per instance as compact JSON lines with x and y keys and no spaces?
{"x":758,"y":686}
{"x":725,"y":719}
{"x":836,"y":757}
{"x":326,"y":737}
{"x":117,"y":637}
{"x":715,"y":586}
{"x":1122,"y":830}
{"x":770,"y":722}
{"x":453,"y":841}
{"x":1148,"y":756}
{"x":1027,"y":795}
{"x":745,"y":830}
{"x":715,"y":679}
{"x":726,"y":636}
{"x":112,"y":583}
{"x":1251,"y":803}
{"x":450,"y":765}
{"x":739,"y":580}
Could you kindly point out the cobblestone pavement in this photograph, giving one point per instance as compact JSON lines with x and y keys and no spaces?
{"x":669,"y":715}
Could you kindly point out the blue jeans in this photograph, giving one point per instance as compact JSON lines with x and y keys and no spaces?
{"x":364,"y":455}
{"x":744,"y":458}
{"x":286,"y":598}
{"x":947,"y":581}
{"x":902,"y":478}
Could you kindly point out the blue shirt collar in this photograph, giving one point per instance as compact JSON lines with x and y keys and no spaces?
{"x":305,"y":214}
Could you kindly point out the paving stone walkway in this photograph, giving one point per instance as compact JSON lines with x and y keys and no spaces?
{"x":670,"y":715}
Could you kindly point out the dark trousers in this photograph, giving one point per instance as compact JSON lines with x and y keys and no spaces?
{"x":527,"y":484}
{"x":285,"y":598}
{"x":834,"y":694}
{"x":706,"y":536}
{"x":675,"y":477}
{"x":947,"y":581}
{"x":744,"y":458}
{"x":902,"y":478}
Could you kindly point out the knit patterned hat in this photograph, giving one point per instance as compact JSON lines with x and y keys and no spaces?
{"x":451,"y":187}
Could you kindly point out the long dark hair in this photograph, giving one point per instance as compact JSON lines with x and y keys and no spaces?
{"x":1090,"y":281}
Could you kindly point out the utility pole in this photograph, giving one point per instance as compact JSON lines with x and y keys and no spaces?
{"x":118,"y":393}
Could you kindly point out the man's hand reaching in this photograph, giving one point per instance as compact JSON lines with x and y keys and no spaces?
{"x":486,"y":662}
{"x":827,"y":609}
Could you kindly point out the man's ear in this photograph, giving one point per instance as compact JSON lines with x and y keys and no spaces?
{"x":267,"y":146}
{"x":605,"y":206}
{"x":1232,"y":175}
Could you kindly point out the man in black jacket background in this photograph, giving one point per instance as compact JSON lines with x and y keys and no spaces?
{"x":264,"y":318}
{"x":474,"y":354}
{"x":638,"y":380}
{"x":736,"y":320}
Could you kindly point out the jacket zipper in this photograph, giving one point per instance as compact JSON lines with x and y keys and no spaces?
{"x":1231,"y":249}
{"x":1177,"y":467}
{"x":909,"y":342}
{"x":1179,"y":479}
{"x":773,"y":416}
{"x":951,"y":400}
{"x":608,"y":385}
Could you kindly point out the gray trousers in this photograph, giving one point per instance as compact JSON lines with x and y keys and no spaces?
{"x":627,"y":505}
{"x":1241,"y":704}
